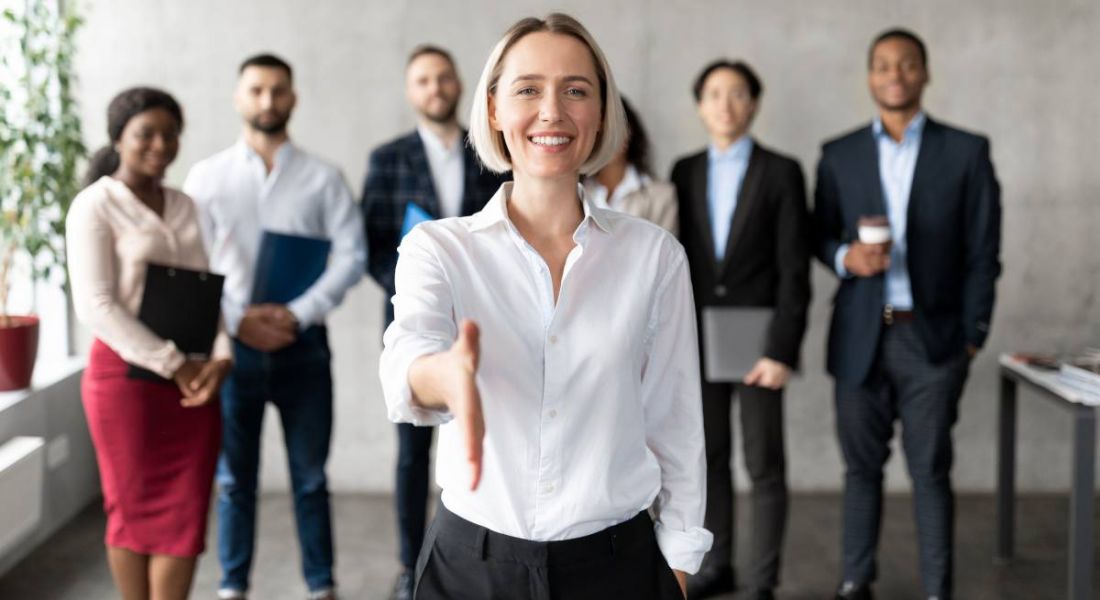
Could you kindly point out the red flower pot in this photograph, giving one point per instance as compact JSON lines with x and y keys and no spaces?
{"x":18,"y":348}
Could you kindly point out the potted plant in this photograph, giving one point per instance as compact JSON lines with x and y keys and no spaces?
{"x":40,"y":146}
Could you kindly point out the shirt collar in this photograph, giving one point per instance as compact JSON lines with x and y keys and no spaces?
{"x":285,"y":152}
{"x":914,"y":128}
{"x":631,"y":182}
{"x":433,"y":144}
{"x":496,"y":211}
{"x":739,"y":150}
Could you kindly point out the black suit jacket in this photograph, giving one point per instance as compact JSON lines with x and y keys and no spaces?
{"x":768,"y":252}
{"x":399,"y":173}
{"x":953,"y":239}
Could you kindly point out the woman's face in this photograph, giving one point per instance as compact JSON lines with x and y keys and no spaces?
{"x":547,"y":105}
{"x":149,"y":143}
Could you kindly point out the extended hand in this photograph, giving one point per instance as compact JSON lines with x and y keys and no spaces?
{"x":768,"y":373}
{"x":866,"y":260}
{"x":465,"y":401}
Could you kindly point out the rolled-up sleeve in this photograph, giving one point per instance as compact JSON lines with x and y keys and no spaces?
{"x":344,"y":226}
{"x":423,"y":324}
{"x":674,"y":420}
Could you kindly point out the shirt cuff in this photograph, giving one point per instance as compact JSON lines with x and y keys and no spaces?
{"x":303,"y":312}
{"x":838,"y":261}
{"x":683,"y":550}
{"x":398,"y":392}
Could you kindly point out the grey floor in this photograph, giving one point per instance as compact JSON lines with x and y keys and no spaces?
{"x":71,"y":565}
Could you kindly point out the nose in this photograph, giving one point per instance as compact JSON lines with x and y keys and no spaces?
{"x":267,"y":99}
{"x":550,"y":108}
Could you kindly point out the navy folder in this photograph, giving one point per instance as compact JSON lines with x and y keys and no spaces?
{"x":183,"y":306}
{"x":287,"y":266}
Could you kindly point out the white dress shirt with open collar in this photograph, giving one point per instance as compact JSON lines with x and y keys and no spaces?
{"x":592,"y":405}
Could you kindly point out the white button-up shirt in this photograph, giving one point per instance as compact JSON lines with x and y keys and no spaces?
{"x":448,"y":169}
{"x":592,"y":406}
{"x":302,"y":195}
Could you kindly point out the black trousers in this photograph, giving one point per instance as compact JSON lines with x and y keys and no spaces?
{"x":414,"y":448}
{"x":903,"y":385}
{"x":464,"y":561}
{"x":765,"y":461}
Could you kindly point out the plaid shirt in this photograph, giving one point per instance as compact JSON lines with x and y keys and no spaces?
{"x":398,"y":173}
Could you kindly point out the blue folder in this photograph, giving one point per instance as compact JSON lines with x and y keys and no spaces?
{"x":414,"y":215}
{"x":287,"y":266}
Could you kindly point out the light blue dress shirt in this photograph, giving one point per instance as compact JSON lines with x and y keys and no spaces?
{"x":725,"y":174}
{"x":897,"y":162}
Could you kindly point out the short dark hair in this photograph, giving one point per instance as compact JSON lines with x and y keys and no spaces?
{"x":267,"y":60}
{"x":740,"y":67}
{"x":637,"y":145}
{"x":125,"y":106}
{"x":423,"y":49}
{"x":898,"y":33}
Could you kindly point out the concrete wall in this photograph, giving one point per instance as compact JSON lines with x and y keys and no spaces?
{"x":1023,"y":72}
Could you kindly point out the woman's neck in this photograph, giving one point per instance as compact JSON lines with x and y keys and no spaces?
{"x":545,"y":207}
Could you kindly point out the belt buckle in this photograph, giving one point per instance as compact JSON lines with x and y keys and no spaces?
{"x":888,"y":314}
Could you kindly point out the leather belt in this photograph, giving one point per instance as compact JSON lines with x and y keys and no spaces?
{"x":890,"y":315}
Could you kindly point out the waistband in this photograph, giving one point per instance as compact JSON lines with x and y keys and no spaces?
{"x":625,"y":536}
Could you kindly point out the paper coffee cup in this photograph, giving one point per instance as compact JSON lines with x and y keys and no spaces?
{"x":874,"y":234}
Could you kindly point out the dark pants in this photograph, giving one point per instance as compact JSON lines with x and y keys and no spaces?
{"x":298,"y":381}
{"x":414,"y":447}
{"x":903,"y":385}
{"x":765,"y":460}
{"x":463,"y":561}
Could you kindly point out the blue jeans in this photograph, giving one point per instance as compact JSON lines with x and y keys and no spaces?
{"x":298,"y":381}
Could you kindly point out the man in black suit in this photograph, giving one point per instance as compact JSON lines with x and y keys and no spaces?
{"x":909,"y":313}
{"x":744,"y":224}
{"x":435,"y":171}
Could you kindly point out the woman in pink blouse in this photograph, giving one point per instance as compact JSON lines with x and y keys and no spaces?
{"x":156,"y":442}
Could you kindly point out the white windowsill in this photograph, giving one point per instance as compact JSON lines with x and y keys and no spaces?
{"x":46,"y":373}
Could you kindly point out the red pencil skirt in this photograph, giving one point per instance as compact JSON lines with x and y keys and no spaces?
{"x":156,"y":458}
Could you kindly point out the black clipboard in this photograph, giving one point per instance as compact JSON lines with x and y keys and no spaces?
{"x":183,"y":306}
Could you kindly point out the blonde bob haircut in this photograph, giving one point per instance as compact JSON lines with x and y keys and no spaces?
{"x":489,"y":143}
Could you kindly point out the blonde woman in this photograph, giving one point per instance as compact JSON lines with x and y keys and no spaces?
{"x":555,"y":342}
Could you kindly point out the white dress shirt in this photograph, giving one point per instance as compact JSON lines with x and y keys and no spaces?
{"x":110,"y":238}
{"x":303,"y":195}
{"x":592,"y":406}
{"x":448,"y":169}
{"x":597,"y":192}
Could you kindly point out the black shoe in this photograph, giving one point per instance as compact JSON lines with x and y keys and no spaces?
{"x":712,"y":582}
{"x":764,"y":594}
{"x":853,"y":591}
{"x":403,"y":588}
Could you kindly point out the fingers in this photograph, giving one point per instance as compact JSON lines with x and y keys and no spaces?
{"x":474,"y":429}
{"x":469,"y":342}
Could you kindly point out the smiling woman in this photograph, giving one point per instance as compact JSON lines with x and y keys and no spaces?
{"x":555,"y":341}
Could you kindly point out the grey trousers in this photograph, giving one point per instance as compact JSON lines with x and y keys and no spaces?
{"x":765,"y":461}
{"x":903,"y":385}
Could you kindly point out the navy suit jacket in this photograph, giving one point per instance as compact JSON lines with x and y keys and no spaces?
{"x":399,"y":173}
{"x":953,"y":236}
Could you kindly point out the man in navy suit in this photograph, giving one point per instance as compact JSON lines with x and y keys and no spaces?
{"x":911,"y":313}
{"x":434,"y":169}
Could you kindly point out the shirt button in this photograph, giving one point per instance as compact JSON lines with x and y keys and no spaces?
{"x":553,"y":413}
{"x":549,"y":488}
{"x":720,"y":291}
{"x":553,"y":339}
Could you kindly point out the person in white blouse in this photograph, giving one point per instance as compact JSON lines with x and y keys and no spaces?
{"x":626,"y":183}
{"x":555,"y":342}
{"x":266,"y":183}
{"x":156,"y":442}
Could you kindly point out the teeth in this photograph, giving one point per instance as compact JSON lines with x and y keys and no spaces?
{"x":546,"y":140}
